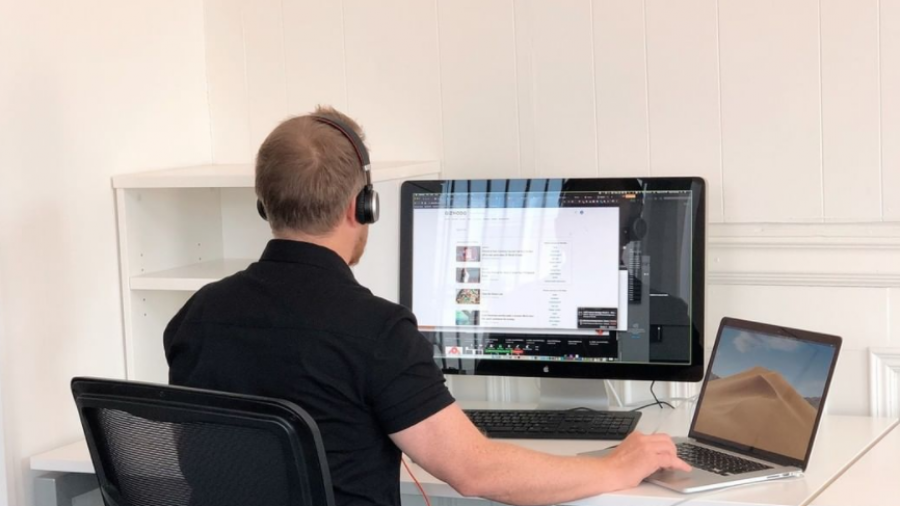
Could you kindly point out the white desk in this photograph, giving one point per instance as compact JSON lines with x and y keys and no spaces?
{"x":872,"y":481}
{"x":842,"y":440}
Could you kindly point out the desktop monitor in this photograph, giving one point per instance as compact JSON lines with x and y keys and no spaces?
{"x":558,"y":278}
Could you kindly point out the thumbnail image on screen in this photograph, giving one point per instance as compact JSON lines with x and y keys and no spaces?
{"x":468,"y":296}
{"x":468,"y":275}
{"x":468,"y":254}
{"x":467,"y":317}
{"x":765,"y":391}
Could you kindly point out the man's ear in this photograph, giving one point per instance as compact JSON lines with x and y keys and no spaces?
{"x":350,"y":212}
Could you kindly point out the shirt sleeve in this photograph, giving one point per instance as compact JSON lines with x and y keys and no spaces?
{"x":406,"y":386}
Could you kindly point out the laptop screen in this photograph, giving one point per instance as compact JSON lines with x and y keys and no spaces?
{"x":764,"y":391}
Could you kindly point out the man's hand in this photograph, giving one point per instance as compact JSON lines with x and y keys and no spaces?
{"x":641,"y":455}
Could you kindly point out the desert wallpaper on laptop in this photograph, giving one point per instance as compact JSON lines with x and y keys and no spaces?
{"x":765,"y":391}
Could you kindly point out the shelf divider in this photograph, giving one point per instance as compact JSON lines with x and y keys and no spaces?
{"x":190,"y":277}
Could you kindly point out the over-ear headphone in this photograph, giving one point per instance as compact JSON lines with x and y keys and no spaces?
{"x":367,"y":201}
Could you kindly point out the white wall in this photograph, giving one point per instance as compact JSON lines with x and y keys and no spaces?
{"x":88,"y":89}
{"x":788,"y":109}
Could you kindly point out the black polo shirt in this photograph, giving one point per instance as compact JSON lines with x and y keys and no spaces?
{"x":297,"y":326}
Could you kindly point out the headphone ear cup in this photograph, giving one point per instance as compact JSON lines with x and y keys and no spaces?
{"x":375,"y":206}
{"x":261,"y":210}
{"x":367,"y":206}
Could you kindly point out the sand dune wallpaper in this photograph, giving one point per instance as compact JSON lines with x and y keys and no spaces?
{"x":765,"y":391}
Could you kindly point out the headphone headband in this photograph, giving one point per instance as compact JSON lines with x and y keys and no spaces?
{"x":362,"y":154}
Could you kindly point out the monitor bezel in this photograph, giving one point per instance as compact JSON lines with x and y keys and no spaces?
{"x":692,"y":372}
{"x":780,"y":331}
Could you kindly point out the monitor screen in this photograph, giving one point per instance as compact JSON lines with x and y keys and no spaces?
{"x":583,"y":278}
{"x":765,"y":391}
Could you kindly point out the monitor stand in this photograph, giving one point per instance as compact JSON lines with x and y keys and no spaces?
{"x":558,"y":393}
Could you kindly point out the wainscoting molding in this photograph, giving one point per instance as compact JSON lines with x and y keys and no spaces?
{"x":825,"y":279}
{"x":805,"y":235}
{"x":813,"y":254}
{"x":884,"y":382}
{"x":684,"y":390}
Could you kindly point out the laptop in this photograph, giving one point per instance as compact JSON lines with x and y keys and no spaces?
{"x":759,"y":408}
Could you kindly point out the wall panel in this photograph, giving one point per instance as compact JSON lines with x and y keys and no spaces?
{"x":314,"y":54}
{"x":771,"y":116}
{"x":859,"y":315}
{"x":478,"y":88}
{"x":393,"y":76}
{"x":683,"y":79}
{"x":890,"y":106}
{"x":562,"y":83}
{"x":226,"y":82}
{"x":266,"y":84}
{"x":620,"y":66}
{"x":850,"y":110}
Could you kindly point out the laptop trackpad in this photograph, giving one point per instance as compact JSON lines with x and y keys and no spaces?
{"x":673,"y":476}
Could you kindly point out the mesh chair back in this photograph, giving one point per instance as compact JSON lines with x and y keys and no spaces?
{"x":156,"y":445}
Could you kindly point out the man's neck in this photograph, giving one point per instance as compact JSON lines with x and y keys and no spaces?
{"x":330,"y":241}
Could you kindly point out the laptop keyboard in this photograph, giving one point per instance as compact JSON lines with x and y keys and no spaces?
{"x":717,"y":462}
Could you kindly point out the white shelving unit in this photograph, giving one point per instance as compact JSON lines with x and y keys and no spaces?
{"x":182,"y":228}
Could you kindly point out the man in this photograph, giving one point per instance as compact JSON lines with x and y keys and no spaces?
{"x":297,"y":326}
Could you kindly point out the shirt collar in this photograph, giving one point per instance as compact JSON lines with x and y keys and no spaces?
{"x":298,"y":252}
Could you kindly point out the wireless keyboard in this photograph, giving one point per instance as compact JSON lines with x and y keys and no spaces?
{"x":554,"y":424}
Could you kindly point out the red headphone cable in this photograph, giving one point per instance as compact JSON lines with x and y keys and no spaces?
{"x":419,"y":485}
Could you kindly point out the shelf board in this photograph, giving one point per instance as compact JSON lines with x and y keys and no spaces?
{"x":241,"y":175}
{"x":190,"y":277}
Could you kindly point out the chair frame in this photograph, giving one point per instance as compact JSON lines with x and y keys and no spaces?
{"x":181,"y":404}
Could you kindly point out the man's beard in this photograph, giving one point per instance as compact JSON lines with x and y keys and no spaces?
{"x":360,"y":247}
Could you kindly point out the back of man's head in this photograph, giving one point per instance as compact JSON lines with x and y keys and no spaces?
{"x":307,"y":172}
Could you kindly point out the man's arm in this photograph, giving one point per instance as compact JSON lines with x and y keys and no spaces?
{"x":449,"y":447}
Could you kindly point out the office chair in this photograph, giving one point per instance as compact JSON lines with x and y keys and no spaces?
{"x":158,"y":445}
